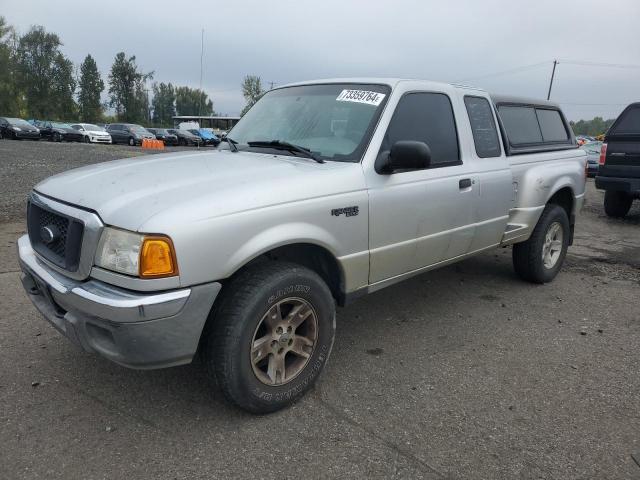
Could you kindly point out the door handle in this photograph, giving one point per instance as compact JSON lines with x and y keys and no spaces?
{"x":464,"y":183}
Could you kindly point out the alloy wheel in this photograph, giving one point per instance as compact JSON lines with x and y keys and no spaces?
{"x":283,"y":341}
{"x":552,"y":247}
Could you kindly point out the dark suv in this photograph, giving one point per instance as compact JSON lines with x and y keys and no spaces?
{"x":619,"y":169}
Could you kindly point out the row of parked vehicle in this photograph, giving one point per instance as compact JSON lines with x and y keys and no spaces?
{"x":126,"y":133}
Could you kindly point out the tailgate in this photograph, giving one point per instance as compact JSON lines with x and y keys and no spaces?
{"x":623,"y":158}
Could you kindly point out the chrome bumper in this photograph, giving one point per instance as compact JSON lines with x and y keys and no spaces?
{"x":133,"y":329}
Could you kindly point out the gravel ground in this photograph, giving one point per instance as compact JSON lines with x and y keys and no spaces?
{"x":25,"y":163}
{"x":463,"y":372}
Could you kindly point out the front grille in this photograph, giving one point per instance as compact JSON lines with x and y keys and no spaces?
{"x":64,"y":249}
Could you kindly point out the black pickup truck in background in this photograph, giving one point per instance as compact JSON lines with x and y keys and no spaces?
{"x":619,"y":169}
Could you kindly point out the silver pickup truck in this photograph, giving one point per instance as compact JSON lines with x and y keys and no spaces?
{"x":324,"y":191}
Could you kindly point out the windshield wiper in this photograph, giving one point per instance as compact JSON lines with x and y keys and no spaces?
{"x":232,"y":143}
{"x":291,"y":147}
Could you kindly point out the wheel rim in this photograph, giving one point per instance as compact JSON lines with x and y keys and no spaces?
{"x":552,"y":247}
{"x":283,"y":341}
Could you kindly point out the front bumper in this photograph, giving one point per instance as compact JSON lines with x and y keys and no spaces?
{"x":28,"y":135}
{"x":136,"y":330}
{"x":97,"y":139}
{"x":629,"y":184}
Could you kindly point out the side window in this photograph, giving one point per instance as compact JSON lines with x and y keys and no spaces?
{"x":483,"y":127}
{"x":520,"y":124}
{"x":428,"y":118}
{"x":551,"y":125}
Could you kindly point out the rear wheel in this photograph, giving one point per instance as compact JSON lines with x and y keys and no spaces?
{"x":132,"y":142}
{"x":616,"y":203}
{"x":540,"y":258}
{"x":270,"y":335}
{"x":57,"y":137}
{"x":183,"y":142}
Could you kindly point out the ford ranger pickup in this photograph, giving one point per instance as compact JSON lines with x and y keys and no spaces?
{"x":323,"y":192}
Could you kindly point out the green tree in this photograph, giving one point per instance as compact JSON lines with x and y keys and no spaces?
{"x":10,"y":95}
{"x":251,"y":91}
{"x":164,"y":103}
{"x":193,"y":101}
{"x":45,"y":75}
{"x":127,"y":92}
{"x":90,"y":89}
{"x":593,"y":127}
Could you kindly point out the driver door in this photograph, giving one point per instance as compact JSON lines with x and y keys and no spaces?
{"x":422,"y":217}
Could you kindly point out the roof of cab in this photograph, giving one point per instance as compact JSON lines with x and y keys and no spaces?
{"x":392,"y":82}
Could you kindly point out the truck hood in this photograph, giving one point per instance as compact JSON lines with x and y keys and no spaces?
{"x":193,"y":186}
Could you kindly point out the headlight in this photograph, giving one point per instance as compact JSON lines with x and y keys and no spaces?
{"x":17,"y":129}
{"x":135,"y":254}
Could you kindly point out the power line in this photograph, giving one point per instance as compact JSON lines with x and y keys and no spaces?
{"x":598,"y":64}
{"x":595,"y":104}
{"x":507,"y":72}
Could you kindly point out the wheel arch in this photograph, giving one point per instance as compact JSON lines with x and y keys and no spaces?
{"x":314,"y":256}
{"x":564,"y":197}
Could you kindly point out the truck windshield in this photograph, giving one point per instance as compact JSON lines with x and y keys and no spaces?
{"x":333,"y":121}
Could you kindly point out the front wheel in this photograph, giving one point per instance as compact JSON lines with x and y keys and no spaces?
{"x":57,"y":137}
{"x":616,"y":203}
{"x":85,"y":138}
{"x":132,"y":142}
{"x":540,"y":258}
{"x":270,"y":335}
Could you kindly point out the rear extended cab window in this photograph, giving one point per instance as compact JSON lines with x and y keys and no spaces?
{"x":483,"y":126}
{"x":529,"y":128}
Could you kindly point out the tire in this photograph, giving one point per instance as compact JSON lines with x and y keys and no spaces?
{"x":57,"y":137}
{"x":182,"y":142}
{"x":528,"y":257}
{"x":132,"y":142}
{"x":616,"y":203}
{"x":85,"y":139}
{"x":240,"y":316}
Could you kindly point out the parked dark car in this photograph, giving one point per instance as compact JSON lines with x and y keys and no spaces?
{"x":17,"y":129}
{"x":185,"y":137}
{"x":619,"y":169}
{"x":128,"y":133}
{"x":164,"y":135}
{"x":58,"y":132}
{"x":208,"y":138}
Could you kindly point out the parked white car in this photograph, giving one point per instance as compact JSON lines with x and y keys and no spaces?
{"x":93,"y":133}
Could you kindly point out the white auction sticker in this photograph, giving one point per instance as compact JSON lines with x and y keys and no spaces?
{"x":361,"y":96}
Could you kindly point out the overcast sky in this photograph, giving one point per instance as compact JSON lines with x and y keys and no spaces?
{"x":285,"y":41}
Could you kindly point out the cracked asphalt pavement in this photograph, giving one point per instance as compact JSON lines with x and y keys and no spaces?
{"x":463,"y":372}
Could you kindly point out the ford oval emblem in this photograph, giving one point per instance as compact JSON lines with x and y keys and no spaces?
{"x":49,"y":234}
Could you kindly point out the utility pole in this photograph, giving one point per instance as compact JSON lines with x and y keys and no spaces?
{"x":553,"y":73}
{"x":201,"y":56}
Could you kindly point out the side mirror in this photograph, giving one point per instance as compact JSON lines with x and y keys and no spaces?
{"x":404,"y":155}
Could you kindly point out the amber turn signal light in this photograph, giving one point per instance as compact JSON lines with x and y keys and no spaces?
{"x":157,"y":258}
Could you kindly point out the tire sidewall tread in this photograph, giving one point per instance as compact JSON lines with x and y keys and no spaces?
{"x":233,"y":321}
{"x":527,"y":256}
